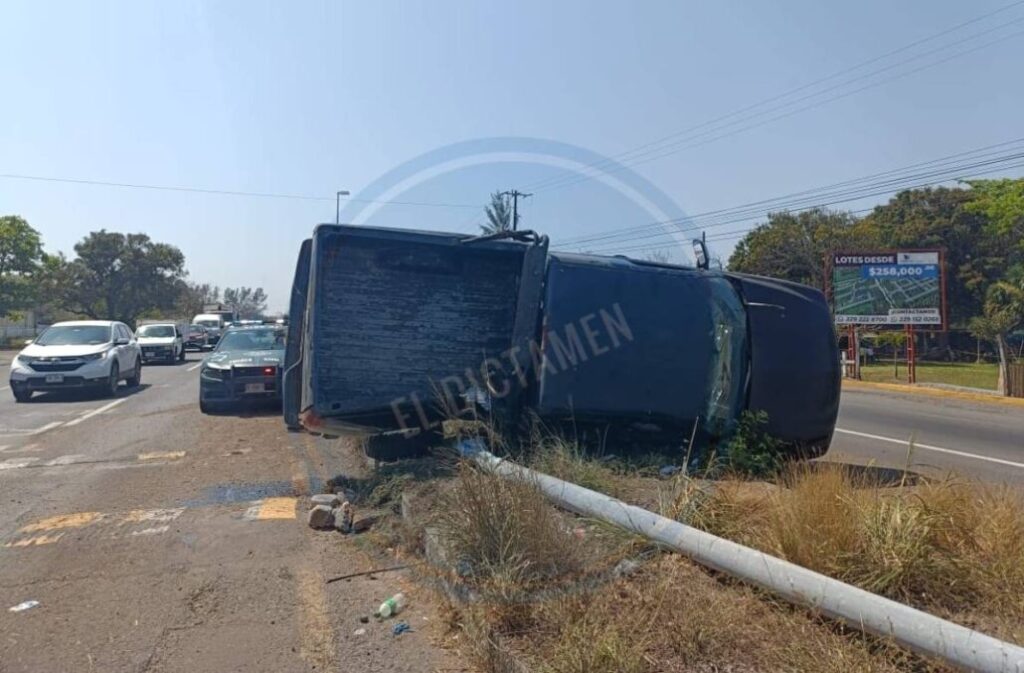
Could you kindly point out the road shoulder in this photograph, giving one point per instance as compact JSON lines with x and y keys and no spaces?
{"x":927,"y":391}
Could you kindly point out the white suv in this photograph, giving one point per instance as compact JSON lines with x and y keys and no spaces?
{"x":81,"y":354}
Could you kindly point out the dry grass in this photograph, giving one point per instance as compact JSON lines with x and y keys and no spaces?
{"x":676,"y":617}
{"x":951,"y":547}
{"x":566,"y":460}
{"x":505,"y":532}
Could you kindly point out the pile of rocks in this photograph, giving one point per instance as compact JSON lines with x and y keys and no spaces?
{"x":332,"y":510}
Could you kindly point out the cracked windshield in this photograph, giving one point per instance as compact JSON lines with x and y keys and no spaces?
{"x":574,"y":337}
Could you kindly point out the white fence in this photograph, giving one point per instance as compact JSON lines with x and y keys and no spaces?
{"x":20,"y":327}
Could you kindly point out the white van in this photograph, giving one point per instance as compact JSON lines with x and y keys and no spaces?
{"x":214,"y":324}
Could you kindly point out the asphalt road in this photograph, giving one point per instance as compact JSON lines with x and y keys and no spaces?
{"x":970,"y":439}
{"x":158,"y":539}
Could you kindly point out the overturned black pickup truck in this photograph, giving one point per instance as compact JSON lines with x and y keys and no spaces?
{"x":392,"y":331}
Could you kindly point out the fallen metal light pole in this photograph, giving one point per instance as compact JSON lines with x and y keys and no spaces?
{"x":863,"y":610}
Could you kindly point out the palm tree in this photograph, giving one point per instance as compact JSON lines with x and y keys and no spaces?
{"x":1003,"y":312}
{"x":499,"y":215}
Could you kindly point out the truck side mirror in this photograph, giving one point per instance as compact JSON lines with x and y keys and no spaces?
{"x":700,"y":254}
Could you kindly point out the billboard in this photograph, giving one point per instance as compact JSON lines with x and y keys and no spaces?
{"x":902,"y":287}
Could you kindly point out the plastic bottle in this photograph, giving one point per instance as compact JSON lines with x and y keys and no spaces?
{"x":391,"y":606}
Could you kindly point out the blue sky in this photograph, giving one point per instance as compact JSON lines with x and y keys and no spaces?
{"x":307,"y":98}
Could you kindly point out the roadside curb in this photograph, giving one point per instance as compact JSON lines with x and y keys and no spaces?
{"x":927,"y":391}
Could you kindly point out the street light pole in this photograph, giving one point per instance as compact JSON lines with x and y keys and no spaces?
{"x":337,"y":205}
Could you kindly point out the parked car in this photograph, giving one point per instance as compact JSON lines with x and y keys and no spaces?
{"x":96,"y":354}
{"x":197,"y":338}
{"x":215,"y":323}
{"x":245,"y":366}
{"x":163,"y":341}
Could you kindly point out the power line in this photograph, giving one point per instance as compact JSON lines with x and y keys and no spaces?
{"x":720,"y":236}
{"x":779,"y":202}
{"x":860,"y":192}
{"x":515,"y":194}
{"x":609,"y":160}
{"x":559,"y":182}
{"x":603,"y":247}
{"x":226,"y":192}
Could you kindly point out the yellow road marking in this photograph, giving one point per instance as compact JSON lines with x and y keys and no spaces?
{"x":35,"y":540}
{"x":162,"y":455}
{"x":145,"y":515}
{"x":60,"y":521}
{"x":276,"y":508}
{"x":316,"y":644}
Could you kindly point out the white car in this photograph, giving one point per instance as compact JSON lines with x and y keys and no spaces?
{"x":96,"y":354}
{"x":164,"y":341}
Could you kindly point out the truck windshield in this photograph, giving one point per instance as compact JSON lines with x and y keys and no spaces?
{"x":729,"y":360}
{"x":156,"y":331}
{"x":74,"y":335}
{"x":208,"y":323}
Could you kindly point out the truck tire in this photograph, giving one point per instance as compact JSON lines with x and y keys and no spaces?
{"x":181,"y":355}
{"x":397,"y":445}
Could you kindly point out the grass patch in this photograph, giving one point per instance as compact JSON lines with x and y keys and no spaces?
{"x":949,"y":547}
{"x":505,"y":534}
{"x":971,"y":375}
{"x":566,"y":460}
{"x":675,"y":617}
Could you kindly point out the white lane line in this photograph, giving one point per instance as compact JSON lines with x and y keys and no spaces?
{"x":3,"y":447}
{"x":69,"y":459}
{"x":195,"y":367}
{"x":928,"y":447}
{"x":16,"y":463}
{"x":48,"y":426}
{"x":94,"y":412}
{"x":162,"y":455}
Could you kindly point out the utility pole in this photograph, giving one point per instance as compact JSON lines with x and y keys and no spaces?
{"x":337,"y":205}
{"x":515,"y":194}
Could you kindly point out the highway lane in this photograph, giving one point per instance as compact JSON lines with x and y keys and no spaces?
{"x":159,"y":539}
{"x":971,"y":439}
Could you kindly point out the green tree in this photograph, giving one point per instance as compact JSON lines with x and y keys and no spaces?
{"x":192,"y":297}
{"x":117,"y":277}
{"x":1002,"y":202}
{"x":976,"y":254}
{"x":1003,"y":312}
{"x":499,"y":215}
{"x":248,"y":302}
{"x":21,"y":254}
{"x":795,"y":246}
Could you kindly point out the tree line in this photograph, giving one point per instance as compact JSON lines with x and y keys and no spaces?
{"x":112,"y":276}
{"x":979,"y":225}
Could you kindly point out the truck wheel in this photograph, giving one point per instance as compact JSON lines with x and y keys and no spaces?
{"x":21,"y":394}
{"x":398,"y":444}
{"x":181,"y":355}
